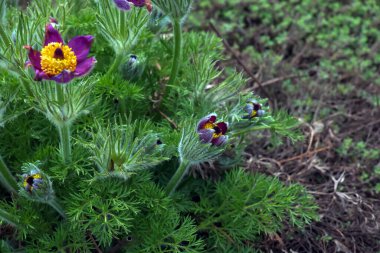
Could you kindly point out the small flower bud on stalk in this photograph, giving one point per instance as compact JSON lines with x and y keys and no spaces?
{"x":157,"y":21}
{"x":133,"y":69}
{"x":36,"y":186}
{"x":253,"y":109}
{"x":177,"y":11}
{"x":198,"y":146}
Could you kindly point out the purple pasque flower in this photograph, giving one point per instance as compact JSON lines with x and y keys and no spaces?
{"x":59,"y":62}
{"x":32,"y":181}
{"x":125,"y":5}
{"x":253,"y":108}
{"x":211,"y":132}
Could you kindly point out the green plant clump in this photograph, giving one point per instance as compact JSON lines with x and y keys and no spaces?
{"x":99,"y":134}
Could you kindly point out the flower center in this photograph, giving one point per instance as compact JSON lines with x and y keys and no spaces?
{"x":218,"y":131}
{"x":56,"y":57}
{"x":256,"y":107}
{"x":29,"y":180}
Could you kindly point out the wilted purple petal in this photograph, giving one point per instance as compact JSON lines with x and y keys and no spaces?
{"x":223,"y":127}
{"x":81,"y":46}
{"x":64,"y":77}
{"x":209,"y":118}
{"x":52,"y":35}
{"x":122,"y":5}
{"x":220,"y":140}
{"x":85,"y":66}
{"x":205,"y":135}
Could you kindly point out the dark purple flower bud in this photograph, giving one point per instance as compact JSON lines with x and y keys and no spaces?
{"x":211,"y":132}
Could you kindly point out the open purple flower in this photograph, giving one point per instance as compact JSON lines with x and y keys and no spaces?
{"x":125,"y":5}
{"x":60,"y":62}
{"x":211,"y":132}
{"x":253,"y":108}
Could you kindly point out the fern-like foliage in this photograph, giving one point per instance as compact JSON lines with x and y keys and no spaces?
{"x":244,"y":205}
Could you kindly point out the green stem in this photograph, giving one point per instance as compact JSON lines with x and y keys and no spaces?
{"x":60,"y":93}
{"x":64,"y":128}
{"x":6,"y":177}
{"x":177,"y":51}
{"x":53,"y":203}
{"x":177,"y":177}
{"x":116,"y":63}
{"x":8,"y":218}
{"x":65,"y":135}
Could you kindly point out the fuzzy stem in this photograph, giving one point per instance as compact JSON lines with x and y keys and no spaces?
{"x":177,"y":177}
{"x":53,"y":203}
{"x":64,"y":128}
{"x":6,"y":177}
{"x":177,"y":51}
{"x":8,"y":218}
{"x":116,"y":63}
{"x":64,"y":135}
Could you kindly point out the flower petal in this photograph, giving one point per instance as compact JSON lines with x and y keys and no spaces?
{"x":220,"y":140}
{"x":205,"y":135}
{"x":85,"y":66}
{"x":27,"y":187}
{"x":209,"y":118}
{"x":138,"y":3}
{"x":81,"y":46}
{"x":260,"y":113}
{"x":248,"y":108}
{"x":34,"y":58}
{"x":64,"y":77}
{"x":122,"y":5}
{"x":223,"y":127}
{"x":52,"y":35}
{"x":40,"y":75}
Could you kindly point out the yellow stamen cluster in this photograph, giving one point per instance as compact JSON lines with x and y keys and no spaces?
{"x":54,"y":66}
{"x":210,"y":125}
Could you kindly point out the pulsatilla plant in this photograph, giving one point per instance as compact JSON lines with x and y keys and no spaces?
{"x":101,"y":157}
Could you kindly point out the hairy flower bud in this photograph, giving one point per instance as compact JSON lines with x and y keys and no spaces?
{"x":157,"y":21}
{"x":36,"y":186}
{"x":133,"y":69}
{"x":177,"y":9}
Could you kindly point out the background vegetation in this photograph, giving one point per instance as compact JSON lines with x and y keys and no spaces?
{"x":320,"y":61}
